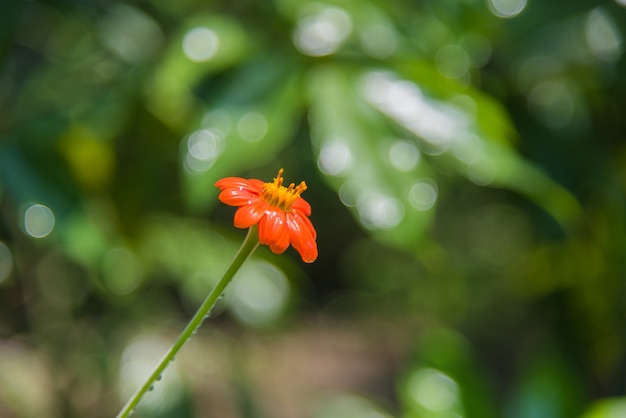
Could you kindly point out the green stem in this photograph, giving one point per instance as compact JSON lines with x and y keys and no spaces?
{"x":247,"y":248}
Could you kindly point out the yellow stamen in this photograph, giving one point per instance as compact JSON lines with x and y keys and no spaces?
{"x":280,"y":196}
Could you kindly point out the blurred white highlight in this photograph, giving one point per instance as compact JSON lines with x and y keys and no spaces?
{"x":38,"y":221}
{"x":378,"y":211}
{"x":349,"y":193}
{"x":433,"y":390}
{"x":452,"y":61}
{"x":202,"y":149}
{"x":552,"y":103}
{"x":200,"y":44}
{"x":379,"y":41}
{"x":322,"y":33}
{"x":138,"y":361}
{"x":603,"y":36}
{"x":482,"y":171}
{"x":218,"y":121}
{"x":423,"y":194}
{"x":404,"y":155}
{"x":335,"y":158}
{"x":252,"y":127}
{"x":130,"y":33}
{"x":507,"y":8}
{"x":437,"y":123}
{"x":259,"y":293}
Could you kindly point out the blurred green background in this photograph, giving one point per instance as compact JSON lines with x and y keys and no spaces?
{"x":466,"y":164}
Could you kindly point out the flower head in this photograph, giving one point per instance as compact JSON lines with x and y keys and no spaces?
{"x":280,"y":213}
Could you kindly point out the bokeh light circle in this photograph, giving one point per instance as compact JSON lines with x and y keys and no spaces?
{"x":38,"y":221}
{"x":507,"y":8}
{"x":433,"y":390}
{"x":200,"y":44}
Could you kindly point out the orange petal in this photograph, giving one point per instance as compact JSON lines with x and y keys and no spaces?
{"x":237,"y":191}
{"x":237,"y":197}
{"x":302,"y":236}
{"x":239,"y":183}
{"x":302,"y":205}
{"x":308,"y":223}
{"x":282,"y":243}
{"x":248,"y":215}
{"x":232,"y":182}
{"x":272,"y":226}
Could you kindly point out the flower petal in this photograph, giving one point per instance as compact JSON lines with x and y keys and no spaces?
{"x":282,"y":243}
{"x":277,"y":228}
{"x":302,"y":205}
{"x":256,"y":184}
{"x":272,"y":226}
{"x":307,"y":222}
{"x":248,"y":215}
{"x":237,"y":197}
{"x":236,"y":191}
{"x":302,"y":236}
{"x":238,"y":183}
{"x":232,"y":182}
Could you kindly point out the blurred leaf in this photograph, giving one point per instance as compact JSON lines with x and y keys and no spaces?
{"x":87,"y":234}
{"x":119,"y":117}
{"x":445,"y":379}
{"x":196,"y":256}
{"x":473,"y":135}
{"x":607,"y":408}
{"x":382,"y":177}
{"x":187,"y":250}
{"x":89,"y":157}
{"x":204,"y":45}
{"x":245,"y":127}
{"x":29,"y":178}
{"x":548,"y":386}
{"x":130,"y":33}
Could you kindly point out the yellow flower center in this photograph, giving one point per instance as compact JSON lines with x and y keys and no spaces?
{"x":280,"y":196}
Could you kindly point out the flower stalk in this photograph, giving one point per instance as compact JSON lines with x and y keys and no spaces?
{"x":247,"y":248}
{"x":275,"y":216}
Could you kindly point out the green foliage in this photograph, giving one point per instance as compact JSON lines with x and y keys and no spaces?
{"x":465,"y":164}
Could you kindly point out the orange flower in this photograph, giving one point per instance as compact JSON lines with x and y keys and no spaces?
{"x":281,"y":214}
